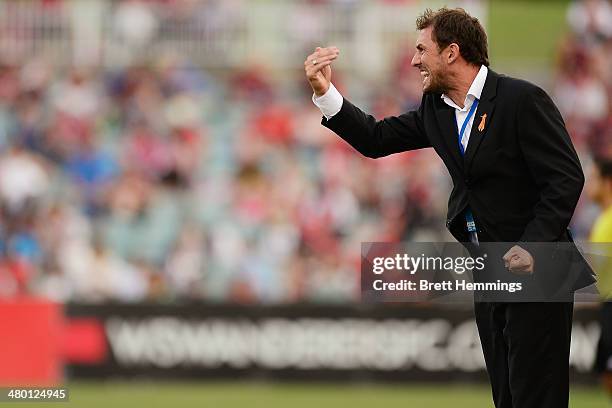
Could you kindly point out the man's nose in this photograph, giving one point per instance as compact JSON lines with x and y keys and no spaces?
{"x":415,"y":60}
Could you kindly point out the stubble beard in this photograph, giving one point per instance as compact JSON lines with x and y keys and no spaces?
{"x":438,"y":84}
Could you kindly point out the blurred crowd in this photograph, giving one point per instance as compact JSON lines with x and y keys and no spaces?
{"x":582,"y":89}
{"x":164,"y":182}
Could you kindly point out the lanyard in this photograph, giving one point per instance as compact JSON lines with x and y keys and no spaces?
{"x":469,"y":218}
{"x":465,"y":122}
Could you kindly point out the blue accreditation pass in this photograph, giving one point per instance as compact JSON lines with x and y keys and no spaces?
{"x":469,"y":218}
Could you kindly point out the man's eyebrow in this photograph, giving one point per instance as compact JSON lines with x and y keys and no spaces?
{"x":420,"y":47}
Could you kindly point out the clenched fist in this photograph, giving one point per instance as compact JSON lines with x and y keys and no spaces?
{"x":518,"y":261}
{"x":318,"y":68}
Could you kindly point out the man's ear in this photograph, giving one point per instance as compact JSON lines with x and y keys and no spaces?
{"x":452,"y":53}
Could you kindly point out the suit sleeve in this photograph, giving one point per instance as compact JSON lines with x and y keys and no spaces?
{"x":553,"y":164}
{"x":374,"y":138}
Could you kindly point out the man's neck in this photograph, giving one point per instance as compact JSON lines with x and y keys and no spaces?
{"x":462,"y":83}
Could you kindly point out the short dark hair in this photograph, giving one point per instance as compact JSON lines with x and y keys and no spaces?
{"x":457,"y":26}
{"x":604,"y":166}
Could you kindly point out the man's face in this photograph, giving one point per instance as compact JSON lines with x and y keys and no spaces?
{"x":429,"y":60}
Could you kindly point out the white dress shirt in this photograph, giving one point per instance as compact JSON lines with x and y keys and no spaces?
{"x":331,"y":102}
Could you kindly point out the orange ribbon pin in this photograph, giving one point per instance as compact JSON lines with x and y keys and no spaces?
{"x":482,"y":122}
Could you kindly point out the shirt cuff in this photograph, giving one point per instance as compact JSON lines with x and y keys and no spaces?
{"x":329,"y":103}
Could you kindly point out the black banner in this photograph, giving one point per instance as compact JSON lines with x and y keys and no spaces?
{"x":379,"y":342}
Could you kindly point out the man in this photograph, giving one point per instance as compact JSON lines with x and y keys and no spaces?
{"x":516,"y":178}
{"x":600,"y":191}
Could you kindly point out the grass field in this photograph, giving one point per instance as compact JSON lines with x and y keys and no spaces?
{"x":526,"y":31}
{"x":273,"y":395}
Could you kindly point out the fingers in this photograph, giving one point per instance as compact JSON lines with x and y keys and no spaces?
{"x":518,"y":263}
{"x":312,"y":70}
{"x":510,"y":254}
{"x":515,"y":251}
{"x":314,"y":61}
{"x":321,"y":55}
{"x":318,"y":68}
{"x":507,"y":260}
{"x":323,"y":52}
{"x":518,"y":260}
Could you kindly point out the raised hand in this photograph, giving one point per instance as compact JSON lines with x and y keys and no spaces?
{"x":318,"y":68}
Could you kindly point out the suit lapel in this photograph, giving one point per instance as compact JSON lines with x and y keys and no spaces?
{"x":448,"y":126}
{"x":486,"y":106}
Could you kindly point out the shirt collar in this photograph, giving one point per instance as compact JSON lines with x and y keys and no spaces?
{"x":474,"y":92}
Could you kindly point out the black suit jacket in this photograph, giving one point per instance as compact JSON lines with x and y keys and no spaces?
{"x":520,"y":175}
